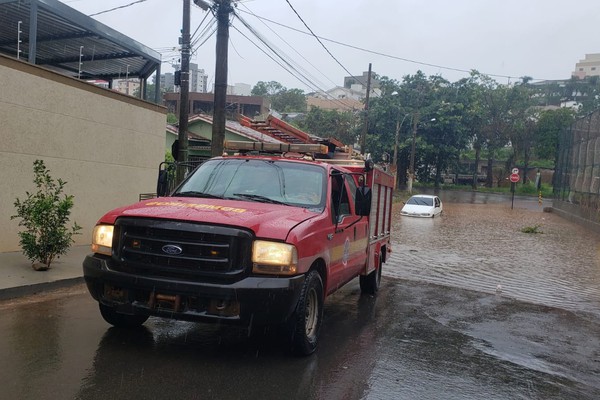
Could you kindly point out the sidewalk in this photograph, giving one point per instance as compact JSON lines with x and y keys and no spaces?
{"x":17,"y":278}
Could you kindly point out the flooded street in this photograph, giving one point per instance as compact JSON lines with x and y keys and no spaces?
{"x":480,"y":246}
{"x":440,"y":328}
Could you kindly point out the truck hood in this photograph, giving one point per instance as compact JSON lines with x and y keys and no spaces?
{"x":267,"y":220}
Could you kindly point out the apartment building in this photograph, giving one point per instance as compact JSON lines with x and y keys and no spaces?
{"x":589,"y":66}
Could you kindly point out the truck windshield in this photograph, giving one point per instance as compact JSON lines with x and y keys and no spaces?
{"x":277,"y":182}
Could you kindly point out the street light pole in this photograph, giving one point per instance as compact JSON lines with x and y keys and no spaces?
{"x":396,"y":144}
{"x":399,"y":124}
{"x":411,"y":171}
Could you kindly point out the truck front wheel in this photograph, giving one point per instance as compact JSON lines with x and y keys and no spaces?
{"x":369,"y":284}
{"x":121,"y":320}
{"x":306,"y":320}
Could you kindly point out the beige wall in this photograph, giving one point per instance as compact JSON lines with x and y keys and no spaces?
{"x":106,"y":145}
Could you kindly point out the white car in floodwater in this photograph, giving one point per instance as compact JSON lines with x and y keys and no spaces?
{"x":422,"y":205}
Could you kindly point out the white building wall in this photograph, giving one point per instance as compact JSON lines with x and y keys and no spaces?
{"x":198,"y":79}
{"x":242,"y":89}
{"x":105,"y":145}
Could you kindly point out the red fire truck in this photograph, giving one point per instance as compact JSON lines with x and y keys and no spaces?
{"x":259,"y":237}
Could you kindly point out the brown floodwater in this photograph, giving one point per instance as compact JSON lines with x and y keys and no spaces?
{"x":477,"y":244}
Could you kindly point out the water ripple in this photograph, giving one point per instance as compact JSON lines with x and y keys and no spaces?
{"x":481,"y":246}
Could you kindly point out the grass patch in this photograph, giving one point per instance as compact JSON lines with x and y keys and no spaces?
{"x":528,"y":189}
{"x":531,"y":229}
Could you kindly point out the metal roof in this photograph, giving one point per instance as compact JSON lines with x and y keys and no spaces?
{"x":55,"y":36}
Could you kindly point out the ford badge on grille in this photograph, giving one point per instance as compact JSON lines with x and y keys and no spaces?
{"x":172,"y":249}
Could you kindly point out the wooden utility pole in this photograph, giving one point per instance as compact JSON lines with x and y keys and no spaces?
{"x":218,"y":129}
{"x":184,"y":91}
{"x":363,"y":139}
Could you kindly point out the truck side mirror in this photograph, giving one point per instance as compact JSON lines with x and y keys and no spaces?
{"x":363,"y":201}
{"x":162,"y":184}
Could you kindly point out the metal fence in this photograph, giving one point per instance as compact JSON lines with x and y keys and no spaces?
{"x":167,"y":177}
{"x":577,"y":174}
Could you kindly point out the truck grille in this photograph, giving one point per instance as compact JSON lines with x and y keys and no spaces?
{"x":180,"y":250}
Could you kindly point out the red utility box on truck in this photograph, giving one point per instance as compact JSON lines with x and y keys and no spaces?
{"x":261,"y":237}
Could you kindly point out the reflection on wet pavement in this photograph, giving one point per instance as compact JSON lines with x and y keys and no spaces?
{"x":481,"y":247}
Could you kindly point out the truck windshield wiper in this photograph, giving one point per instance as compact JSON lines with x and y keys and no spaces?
{"x":257,"y":197}
{"x":193,"y":193}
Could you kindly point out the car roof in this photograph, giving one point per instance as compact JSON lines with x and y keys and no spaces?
{"x":428,"y":196}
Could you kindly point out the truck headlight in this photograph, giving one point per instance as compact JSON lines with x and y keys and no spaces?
{"x":102,"y":239}
{"x":274,"y":258}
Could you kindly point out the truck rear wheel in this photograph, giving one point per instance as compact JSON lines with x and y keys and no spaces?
{"x":369,"y":284}
{"x":306,"y":320}
{"x":121,"y":320}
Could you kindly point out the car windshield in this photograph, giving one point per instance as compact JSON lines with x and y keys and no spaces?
{"x":420,"y":201}
{"x":266,"y":181}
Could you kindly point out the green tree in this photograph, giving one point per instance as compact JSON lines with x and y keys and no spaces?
{"x":444,"y":137}
{"x":289,"y":100}
{"x":502,"y":108}
{"x":548,"y":129}
{"x":469,"y":93}
{"x":388,"y":115}
{"x":282,"y":99}
{"x":421,"y":97}
{"x":550,"y":124}
{"x":524,"y":119}
{"x":172,"y":118}
{"x":341,"y":125}
{"x":266,"y":89}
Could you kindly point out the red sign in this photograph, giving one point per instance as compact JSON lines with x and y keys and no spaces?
{"x":514,"y":178}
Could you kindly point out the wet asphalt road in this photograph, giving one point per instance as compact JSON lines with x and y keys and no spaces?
{"x":438,"y":329}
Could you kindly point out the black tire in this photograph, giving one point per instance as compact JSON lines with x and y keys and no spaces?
{"x":306,"y":321}
{"x":369,"y":284}
{"x":121,"y":320}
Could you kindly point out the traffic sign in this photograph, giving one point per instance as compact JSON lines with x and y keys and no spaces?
{"x":515,"y":171}
{"x":514,"y":178}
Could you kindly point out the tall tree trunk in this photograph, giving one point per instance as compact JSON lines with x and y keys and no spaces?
{"x":525,"y":165}
{"x":438,"y":175}
{"x":556,"y":179}
{"x":476,"y":166}
{"x":489,"y":179}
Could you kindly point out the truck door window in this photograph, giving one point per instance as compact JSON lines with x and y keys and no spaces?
{"x":352,"y":190}
{"x":339,"y":198}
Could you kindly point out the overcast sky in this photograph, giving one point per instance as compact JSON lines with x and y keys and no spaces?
{"x":502,"y":38}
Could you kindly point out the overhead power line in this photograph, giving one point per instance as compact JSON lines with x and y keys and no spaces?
{"x":387,"y":55}
{"x":117,"y":8}
{"x":285,"y":62}
{"x":319,"y":40}
{"x":292,"y":47}
{"x":278,"y":52}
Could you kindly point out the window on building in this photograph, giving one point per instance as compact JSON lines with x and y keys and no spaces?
{"x":593,"y":68}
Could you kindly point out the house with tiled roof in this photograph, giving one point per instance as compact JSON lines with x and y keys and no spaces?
{"x":267,"y":130}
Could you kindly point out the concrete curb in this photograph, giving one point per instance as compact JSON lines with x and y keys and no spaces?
{"x":17,"y":278}
{"x":20,"y":291}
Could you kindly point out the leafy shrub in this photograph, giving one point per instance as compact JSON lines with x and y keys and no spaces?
{"x":44,"y":215}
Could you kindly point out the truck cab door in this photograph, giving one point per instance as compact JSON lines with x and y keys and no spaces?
{"x":348,"y":247}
